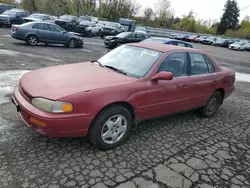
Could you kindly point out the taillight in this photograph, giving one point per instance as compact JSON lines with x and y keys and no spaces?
{"x":14,"y":28}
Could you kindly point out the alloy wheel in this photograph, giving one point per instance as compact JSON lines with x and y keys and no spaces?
{"x":114,"y":129}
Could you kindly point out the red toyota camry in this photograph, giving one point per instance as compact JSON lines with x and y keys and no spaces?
{"x":103,"y":99}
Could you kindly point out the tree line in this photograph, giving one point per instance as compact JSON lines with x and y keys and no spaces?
{"x":159,"y":15}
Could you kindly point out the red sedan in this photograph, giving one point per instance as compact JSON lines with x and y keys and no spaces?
{"x":103,"y":99}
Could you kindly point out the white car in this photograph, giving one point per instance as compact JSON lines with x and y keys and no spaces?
{"x":237,"y":46}
{"x":90,"y":28}
{"x":141,"y":29}
{"x":38,"y":17}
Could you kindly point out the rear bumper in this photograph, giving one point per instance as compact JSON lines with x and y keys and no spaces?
{"x":229,"y":91}
{"x":57,"y":125}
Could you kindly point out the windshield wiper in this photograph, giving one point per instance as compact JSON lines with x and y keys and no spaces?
{"x":96,"y":61}
{"x":116,"y":69}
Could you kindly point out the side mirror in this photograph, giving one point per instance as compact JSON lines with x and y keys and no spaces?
{"x":163,"y":75}
{"x":64,"y":32}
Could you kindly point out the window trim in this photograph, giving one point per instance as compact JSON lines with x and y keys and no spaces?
{"x":190,"y":63}
{"x":207,"y":58}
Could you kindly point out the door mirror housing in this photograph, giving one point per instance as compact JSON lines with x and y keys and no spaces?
{"x":163,"y":75}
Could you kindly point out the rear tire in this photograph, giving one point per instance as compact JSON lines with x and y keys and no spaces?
{"x":212,"y":106}
{"x":107,"y":132}
{"x":32,"y":40}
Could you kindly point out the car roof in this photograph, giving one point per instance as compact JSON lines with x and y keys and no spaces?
{"x":167,"y":39}
{"x":164,"y":48}
{"x":17,"y":10}
{"x":40,"y":14}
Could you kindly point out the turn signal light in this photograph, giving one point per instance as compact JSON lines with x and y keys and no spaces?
{"x":67,"y":107}
{"x":37,"y":122}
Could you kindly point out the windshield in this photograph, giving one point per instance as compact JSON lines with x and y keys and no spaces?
{"x":134,"y":61}
{"x":221,"y":40}
{"x":37,"y":16}
{"x":238,"y":43}
{"x":65,"y":17}
{"x":87,"y":23}
{"x":9,"y":13}
{"x":141,"y":29}
{"x":86,"y":18}
{"x":161,"y":41}
{"x":110,"y":24}
{"x":122,"y":35}
{"x":125,"y":27}
{"x":101,"y":22}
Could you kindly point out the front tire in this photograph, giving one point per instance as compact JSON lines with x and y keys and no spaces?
{"x":212,"y":106}
{"x":72,"y":43}
{"x":32,"y":40}
{"x":111,"y":127}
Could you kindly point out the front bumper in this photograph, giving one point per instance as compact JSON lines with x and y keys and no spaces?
{"x":109,"y":44}
{"x":57,"y":125}
{"x":4,"y":22}
{"x":107,"y":33}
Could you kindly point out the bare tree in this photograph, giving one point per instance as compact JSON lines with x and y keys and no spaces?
{"x":162,"y":8}
{"x":148,"y":13}
{"x":163,"y":12}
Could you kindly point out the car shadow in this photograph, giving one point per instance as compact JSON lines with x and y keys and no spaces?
{"x":45,"y":45}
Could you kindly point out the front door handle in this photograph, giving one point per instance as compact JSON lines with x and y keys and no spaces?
{"x":186,"y":85}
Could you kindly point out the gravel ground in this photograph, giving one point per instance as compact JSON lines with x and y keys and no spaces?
{"x":179,"y":151}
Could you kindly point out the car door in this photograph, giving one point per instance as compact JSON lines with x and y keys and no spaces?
{"x":203,"y":79}
{"x":130,"y":38}
{"x":94,"y":28}
{"x":139,"y":37}
{"x":58,"y":35}
{"x":43,"y":32}
{"x":170,"y":96}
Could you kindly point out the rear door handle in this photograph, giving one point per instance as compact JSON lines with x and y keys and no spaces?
{"x":185,"y":85}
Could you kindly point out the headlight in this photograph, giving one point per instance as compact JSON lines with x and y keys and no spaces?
{"x":52,"y":106}
{"x":112,"y":40}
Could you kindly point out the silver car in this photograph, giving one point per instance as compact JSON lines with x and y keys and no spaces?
{"x":44,"y":32}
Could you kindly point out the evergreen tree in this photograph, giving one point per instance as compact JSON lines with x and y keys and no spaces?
{"x":230,"y":17}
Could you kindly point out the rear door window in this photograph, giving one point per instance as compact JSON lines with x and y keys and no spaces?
{"x":181,"y":44}
{"x":41,"y":26}
{"x":54,"y":28}
{"x":198,"y":64}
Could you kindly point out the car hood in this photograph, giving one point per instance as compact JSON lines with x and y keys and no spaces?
{"x":60,"y":20}
{"x":84,"y":24}
{"x":33,"y":19}
{"x":107,"y":27}
{"x":5,"y":16}
{"x":111,"y":37}
{"x":64,"y":80}
{"x":235,"y":45}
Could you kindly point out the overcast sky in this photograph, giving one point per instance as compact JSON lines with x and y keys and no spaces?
{"x":204,"y":9}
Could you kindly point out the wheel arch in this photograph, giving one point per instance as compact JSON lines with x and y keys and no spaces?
{"x":222,"y":92}
{"x":30,"y":34}
{"x":124,"y":104}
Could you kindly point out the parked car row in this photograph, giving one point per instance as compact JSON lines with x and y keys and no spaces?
{"x":232,"y":44}
{"x":84,"y":25}
{"x":143,"y":37}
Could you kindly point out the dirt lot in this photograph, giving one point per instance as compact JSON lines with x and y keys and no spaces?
{"x":180,"y":151}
